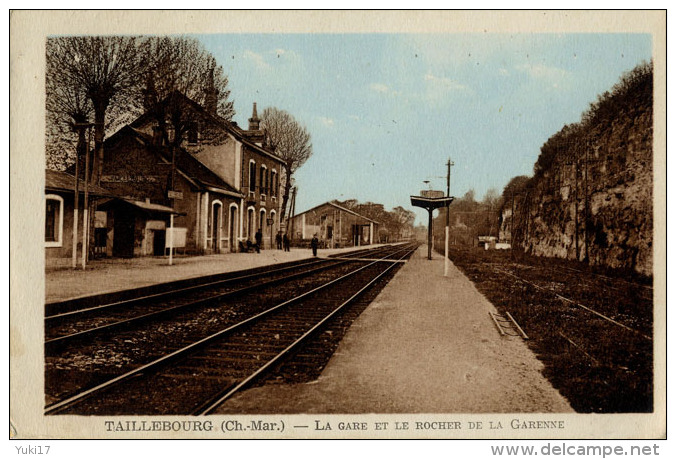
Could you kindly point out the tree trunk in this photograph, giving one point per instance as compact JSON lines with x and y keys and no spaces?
{"x":99,"y":133}
{"x":285,"y":197}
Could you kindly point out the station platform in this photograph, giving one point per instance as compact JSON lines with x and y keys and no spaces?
{"x":111,"y":275}
{"x":426,"y":345}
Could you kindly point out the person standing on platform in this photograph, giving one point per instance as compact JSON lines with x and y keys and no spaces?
{"x":287,"y":243}
{"x":259,"y":240}
{"x":314,"y":244}
{"x":278,"y":240}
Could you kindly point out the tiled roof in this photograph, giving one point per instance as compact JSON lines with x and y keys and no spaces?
{"x":344,"y":209}
{"x":193,"y":168}
{"x":228,"y":126}
{"x":62,"y":181}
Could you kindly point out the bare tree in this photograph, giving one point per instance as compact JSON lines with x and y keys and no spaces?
{"x":178,"y":68}
{"x":67,"y":106}
{"x":291,"y":142}
{"x":102,"y":68}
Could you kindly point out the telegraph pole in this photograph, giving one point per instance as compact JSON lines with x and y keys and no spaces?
{"x":449,"y":163}
{"x":81,"y":145}
{"x":85,"y":216}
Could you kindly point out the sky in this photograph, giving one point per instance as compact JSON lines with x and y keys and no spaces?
{"x":387,"y":111}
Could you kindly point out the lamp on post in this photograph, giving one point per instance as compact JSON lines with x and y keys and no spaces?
{"x":270,"y":221}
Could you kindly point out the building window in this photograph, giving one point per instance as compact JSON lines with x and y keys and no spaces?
{"x":273,"y":183}
{"x":252,"y":176}
{"x":54,"y":221}
{"x":264,"y":175}
{"x":267,"y":181}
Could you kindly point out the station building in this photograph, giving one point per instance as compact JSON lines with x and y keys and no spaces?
{"x":335,"y":226}
{"x":60,"y":215}
{"x":222,"y":184}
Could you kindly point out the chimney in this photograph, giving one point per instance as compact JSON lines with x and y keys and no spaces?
{"x":254,"y":121}
{"x":211,"y":99}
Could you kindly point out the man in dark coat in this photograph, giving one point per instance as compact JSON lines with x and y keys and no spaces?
{"x":259,"y":240}
{"x":278,"y":240}
{"x":287,"y":243}
{"x":314,"y":244}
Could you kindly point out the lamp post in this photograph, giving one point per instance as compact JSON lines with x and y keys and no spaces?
{"x":271,"y":222}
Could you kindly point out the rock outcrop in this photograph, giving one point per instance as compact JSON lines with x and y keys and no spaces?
{"x":591,"y":196}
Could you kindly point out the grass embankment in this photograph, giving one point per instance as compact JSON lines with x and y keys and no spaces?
{"x":600,"y":364}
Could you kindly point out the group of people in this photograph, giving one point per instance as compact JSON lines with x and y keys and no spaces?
{"x":283,"y":241}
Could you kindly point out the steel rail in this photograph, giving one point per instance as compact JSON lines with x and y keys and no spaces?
{"x":174,"y":309}
{"x":301,"y":263}
{"x":181,"y":290}
{"x":602,"y":276}
{"x":219,"y":399}
{"x":575,"y":303}
{"x":50,"y":343}
{"x":57,"y":407}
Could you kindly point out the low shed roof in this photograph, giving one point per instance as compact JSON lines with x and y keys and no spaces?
{"x":62,"y":181}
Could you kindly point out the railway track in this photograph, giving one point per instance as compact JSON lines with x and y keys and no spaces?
{"x":201,"y":370}
{"x":82,"y":318}
{"x":80,"y":323}
{"x":574,"y":303}
{"x":594,"y":333}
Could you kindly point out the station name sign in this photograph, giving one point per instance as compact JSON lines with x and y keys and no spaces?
{"x":433,"y":194}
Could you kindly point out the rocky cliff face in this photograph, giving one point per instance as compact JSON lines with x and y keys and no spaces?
{"x":592,"y":193}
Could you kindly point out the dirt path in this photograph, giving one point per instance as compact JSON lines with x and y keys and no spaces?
{"x":425,"y":345}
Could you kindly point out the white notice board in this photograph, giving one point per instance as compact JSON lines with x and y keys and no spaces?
{"x":179,"y":237}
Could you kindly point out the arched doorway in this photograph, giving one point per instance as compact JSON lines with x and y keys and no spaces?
{"x":232,"y":228}
{"x":262,"y":227}
{"x":250,"y":223}
{"x":216,"y":207}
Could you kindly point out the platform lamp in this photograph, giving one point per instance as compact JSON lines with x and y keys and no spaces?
{"x":270,"y":222}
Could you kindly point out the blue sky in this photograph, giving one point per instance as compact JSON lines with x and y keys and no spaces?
{"x":386,"y":111}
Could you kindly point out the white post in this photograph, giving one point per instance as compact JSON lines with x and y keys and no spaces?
{"x":85,"y":236}
{"x":171,"y":238}
{"x":446,"y":255}
{"x":75,"y":217}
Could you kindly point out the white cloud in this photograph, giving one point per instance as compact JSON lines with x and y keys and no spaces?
{"x":257,"y":59}
{"x":543,"y":72}
{"x":445,"y":82}
{"x":503,"y":72}
{"x":272,"y":58}
{"x":384,"y":89}
{"x":326,"y":121}
{"x":379,"y":87}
